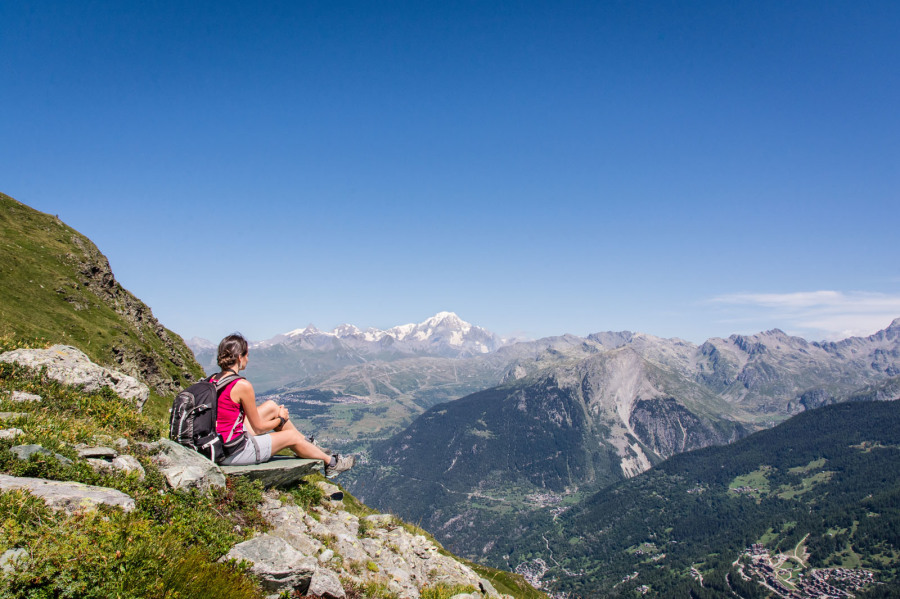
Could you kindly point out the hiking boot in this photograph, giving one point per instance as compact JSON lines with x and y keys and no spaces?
{"x":343,"y":464}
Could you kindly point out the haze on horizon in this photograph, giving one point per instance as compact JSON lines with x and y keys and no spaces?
{"x":539,"y":168}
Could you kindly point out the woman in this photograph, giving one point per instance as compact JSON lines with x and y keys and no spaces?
{"x":239,"y":415}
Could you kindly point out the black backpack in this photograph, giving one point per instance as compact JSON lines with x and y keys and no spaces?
{"x":193,"y":419}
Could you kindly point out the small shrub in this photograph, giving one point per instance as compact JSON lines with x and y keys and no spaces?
{"x":445,"y":591}
{"x":307,"y":494}
{"x":367,"y":590}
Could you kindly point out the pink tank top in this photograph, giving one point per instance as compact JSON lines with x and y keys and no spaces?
{"x":230,"y":415}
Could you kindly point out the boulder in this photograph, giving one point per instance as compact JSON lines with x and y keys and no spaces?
{"x":71,"y":366}
{"x":67,"y":496}
{"x":24,"y":452}
{"x":103,"y":453}
{"x":184,"y":468}
{"x":278,"y":566}
{"x":128,"y":464}
{"x":11,"y":433}
{"x":326,"y":584}
{"x":22,"y":396}
{"x":99,"y":465}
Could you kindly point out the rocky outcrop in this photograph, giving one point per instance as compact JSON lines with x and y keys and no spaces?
{"x":70,"y":366}
{"x":70,"y":497}
{"x":151,"y":366}
{"x":315,"y":549}
{"x":276,"y":563}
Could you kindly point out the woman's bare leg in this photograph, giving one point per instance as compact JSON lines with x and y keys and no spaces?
{"x":296,"y":442}
{"x":287,"y":436}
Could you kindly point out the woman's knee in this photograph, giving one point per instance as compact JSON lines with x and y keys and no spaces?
{"x":267,"y":409}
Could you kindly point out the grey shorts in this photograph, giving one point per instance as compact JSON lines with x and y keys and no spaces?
{"x":257,"y":449}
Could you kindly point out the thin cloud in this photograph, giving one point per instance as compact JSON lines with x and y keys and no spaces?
{"x":823,"y":314}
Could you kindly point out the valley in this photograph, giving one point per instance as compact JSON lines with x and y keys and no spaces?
{"x":497,"y":453}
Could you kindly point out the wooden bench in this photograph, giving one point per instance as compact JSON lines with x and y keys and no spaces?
{"x":280,"y":471}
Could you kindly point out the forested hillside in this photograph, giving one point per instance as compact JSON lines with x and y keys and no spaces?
{"x":827,"y":480}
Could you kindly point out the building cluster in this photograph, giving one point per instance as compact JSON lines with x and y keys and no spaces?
{"x":817,"y":584}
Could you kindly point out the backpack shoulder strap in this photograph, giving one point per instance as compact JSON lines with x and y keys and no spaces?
{"x":222,"y":383}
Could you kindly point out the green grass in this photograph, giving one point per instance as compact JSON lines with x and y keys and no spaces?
{"x":166,"y":547}
{"x":806,"y":485}
{"x":758,"y":480}
{"x":45,"y":265}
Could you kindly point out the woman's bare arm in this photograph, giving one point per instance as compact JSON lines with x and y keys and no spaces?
{"x":243,"y":392}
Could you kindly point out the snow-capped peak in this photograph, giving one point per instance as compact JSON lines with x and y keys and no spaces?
{"x":443,"y":332}
{"x":346,"y":330}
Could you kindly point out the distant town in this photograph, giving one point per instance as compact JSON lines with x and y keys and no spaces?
{"x":788,"y":575}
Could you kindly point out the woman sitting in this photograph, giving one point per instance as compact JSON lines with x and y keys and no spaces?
{"x":267,"y":428}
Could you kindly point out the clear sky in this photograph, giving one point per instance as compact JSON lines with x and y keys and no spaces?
{"x":685,"y":169}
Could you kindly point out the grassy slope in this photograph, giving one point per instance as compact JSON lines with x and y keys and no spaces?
{"x":43,"y":295}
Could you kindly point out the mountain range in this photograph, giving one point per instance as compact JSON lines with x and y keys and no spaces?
{"x":574,"y":415}
{"x":290,"y":356}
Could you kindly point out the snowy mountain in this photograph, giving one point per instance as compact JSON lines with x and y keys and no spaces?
{"x":444,"y":334}
{"x":309,"y":351}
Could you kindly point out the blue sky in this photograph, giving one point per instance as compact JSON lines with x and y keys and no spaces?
{"x":685,"y":169}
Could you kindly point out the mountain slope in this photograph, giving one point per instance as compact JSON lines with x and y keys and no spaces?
{"x":828,"y":479}
{"x":59,"y":287}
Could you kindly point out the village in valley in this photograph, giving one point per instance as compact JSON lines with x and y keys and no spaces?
{"x":789,"y":576}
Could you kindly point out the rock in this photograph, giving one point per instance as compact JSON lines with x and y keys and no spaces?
{"x":289,"y":523}
{"x":103,"y":453}
{"x":129,"y":464}
{"x":22,"y":396}
{"x":278,"y":566}
{"x":326,"y":584}
{"x":466,"y":596}
{"x":6,"y":416}
{"x":326,"y":556}
{"x":332,"y":492}
{"x":280,"y":471}
{"x":11,"y":433}
{"x":379,"y":519}
{"x":149,"y":447}
{"x":71,"y":366}
{"x":10,"y":559}
{"x":24,"y":452}
{"x":184,"y":468}
{"x":68,"y":496}
{"x":121,"y":443}
{"x":99,"y":465}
